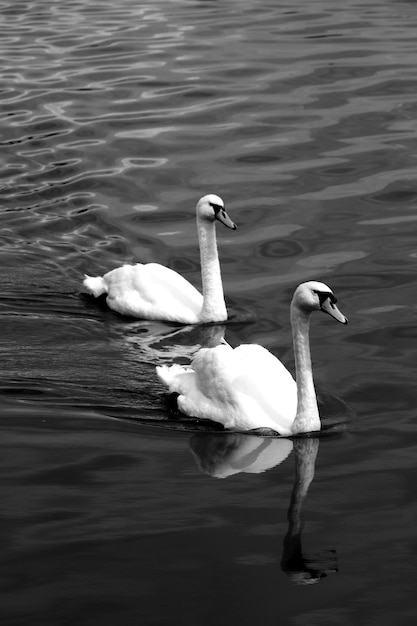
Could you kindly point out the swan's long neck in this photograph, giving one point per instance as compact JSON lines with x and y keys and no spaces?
{"x":307,"y":418}
{"x":214,"y":307}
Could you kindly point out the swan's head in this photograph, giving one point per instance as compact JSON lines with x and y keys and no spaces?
{"x":210,"y":208}
{"x":315,"y":296}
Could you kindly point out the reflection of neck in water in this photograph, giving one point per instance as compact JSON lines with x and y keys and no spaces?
{"x":222,"y":455}
{"x":211,"y":335}
{"x":301,"y":569}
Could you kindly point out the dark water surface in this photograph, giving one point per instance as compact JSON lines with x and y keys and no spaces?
{"x":114,"y":119}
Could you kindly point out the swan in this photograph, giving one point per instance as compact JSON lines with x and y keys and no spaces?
{"x":247,"y":388}
{"x":154,"y":292}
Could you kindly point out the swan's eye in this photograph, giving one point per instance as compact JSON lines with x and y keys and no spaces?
{"x":325,"y":295}
{"x":217,"y":208}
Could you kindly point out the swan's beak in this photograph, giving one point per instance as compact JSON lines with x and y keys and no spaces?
{"x":327,"y":306}
{"x":225,"y":219}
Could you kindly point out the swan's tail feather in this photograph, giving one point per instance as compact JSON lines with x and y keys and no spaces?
{"x":166,"y":374}
{"x":95,"y":285}
{"x":173,"y":376}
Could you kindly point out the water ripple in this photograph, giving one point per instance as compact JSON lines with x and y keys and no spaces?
{"x":116,"y":119}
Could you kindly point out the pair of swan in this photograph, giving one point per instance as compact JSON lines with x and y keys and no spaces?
{"x":246,"y":388}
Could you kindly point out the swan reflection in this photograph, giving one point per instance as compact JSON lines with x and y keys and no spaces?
{"x":222,"y":455}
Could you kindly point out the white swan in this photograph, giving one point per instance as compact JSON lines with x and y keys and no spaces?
{"x":248,"y":388}
{"x":155,"y":292}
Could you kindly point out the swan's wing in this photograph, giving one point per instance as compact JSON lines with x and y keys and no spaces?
{"x":153,"y":291}
{"x":247,"y":386}
{"x":242,"y":389}
{"x":266,"y":371}
{"x":268,"y":383}
{"x":204,"y":388}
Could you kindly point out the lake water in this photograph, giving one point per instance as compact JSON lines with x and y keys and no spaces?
{"x":114,"y":120}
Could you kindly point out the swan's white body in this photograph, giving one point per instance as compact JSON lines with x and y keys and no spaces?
{"x":247,"y":387}
{"x":240,"y":388}
{"x":155,"y":292}
{"x":148,"y":291}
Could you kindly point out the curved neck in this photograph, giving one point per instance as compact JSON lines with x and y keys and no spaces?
{"x":307,"y":418}
{"x":214,"y":307}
